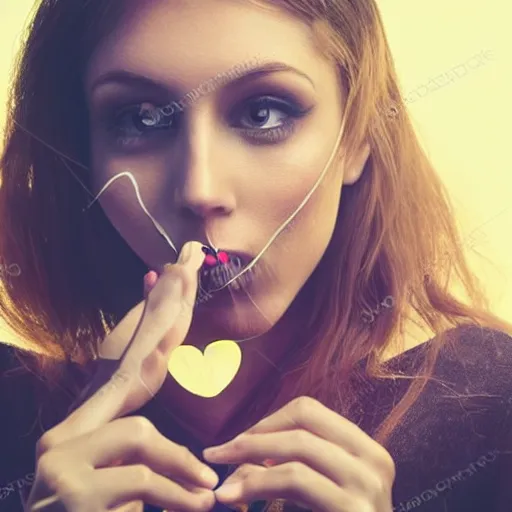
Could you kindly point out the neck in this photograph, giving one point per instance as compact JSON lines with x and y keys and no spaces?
{"x":263,"y":360}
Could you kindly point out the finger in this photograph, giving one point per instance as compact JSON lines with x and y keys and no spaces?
{"x":189,"y":294}
{"x":128,"y":441}
{"x":242,"y":472}
{"x":296,"y":445}
{"x":309,"y":414}
{"x":135,"y":440}
{"x":116,"y":486}
{"x":292,"y":481}
{"x":172,"y":297}
{"x":157,"y":315}
{"x":50,"y":504}
{"x":134,"y":506}
{"x":158,"y":312}
{"x":150,"y":280}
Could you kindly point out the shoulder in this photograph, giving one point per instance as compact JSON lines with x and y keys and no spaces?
{"x":28,"y":408}
{"x":460,"y":428}
{"x":473,"y":361}
{"x":19,"y":429}
{"x":467,"y":400}
{"x":478,"y":357}
{"x":470,"y":391}
{"x":16,"y":386}
{"x":27,"y":397}
{"x":7,"y":358}
{"x":478,"y":369}
{"x":474,"y":339}
{"x":479,"y":363}
{"x":18,"y":395}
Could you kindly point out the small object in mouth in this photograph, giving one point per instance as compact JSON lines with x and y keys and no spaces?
{"x":217,"y":275}
{"x":210,"y":260}
{"x":223,"y":257}
{"x":214,"y":257}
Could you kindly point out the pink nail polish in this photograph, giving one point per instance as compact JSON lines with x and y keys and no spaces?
{"x":150,"y":280}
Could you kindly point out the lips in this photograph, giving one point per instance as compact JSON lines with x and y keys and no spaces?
{"x":217,"y":276}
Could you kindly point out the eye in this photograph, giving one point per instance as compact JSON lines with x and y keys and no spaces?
{"x":265,"y":113}
{"x":267,"y":118}
{"x":136,"y":120}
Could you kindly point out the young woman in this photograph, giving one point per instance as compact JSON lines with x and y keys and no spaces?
{"x":336,"y":239}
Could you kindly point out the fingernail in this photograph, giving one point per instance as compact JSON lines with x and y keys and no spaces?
{"x":185,"y":254}
{"x":150,"y":280}
{"x":191,"y":254}
{"x":229,"y":492}
{"x":209,"y":477}
{"x":214,"y":450}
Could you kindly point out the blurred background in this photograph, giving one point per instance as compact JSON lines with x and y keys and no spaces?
{"x":456,"y":78}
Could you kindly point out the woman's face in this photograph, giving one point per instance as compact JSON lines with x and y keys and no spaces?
{"x":236,"y":162}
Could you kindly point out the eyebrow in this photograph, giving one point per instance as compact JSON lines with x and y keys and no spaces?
{"x":125,"y":77}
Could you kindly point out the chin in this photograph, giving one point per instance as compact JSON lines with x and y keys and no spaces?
{"x":236,"y":317}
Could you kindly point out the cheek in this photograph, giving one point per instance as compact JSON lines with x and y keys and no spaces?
{"x":120,"y":204}
{"x":309,"y":234}
{"x":285,"y":177}
{"x":303,"y":242}
{"x":123,"y":211}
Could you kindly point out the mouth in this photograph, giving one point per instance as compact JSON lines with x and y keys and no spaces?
{"x":213,"y":277}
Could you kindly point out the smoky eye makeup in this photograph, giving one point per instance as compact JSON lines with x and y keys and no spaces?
{"x":267,"y":118}
{"x":264,"y":115}
{"x":131,"y":123}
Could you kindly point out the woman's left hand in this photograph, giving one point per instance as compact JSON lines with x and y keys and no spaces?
{"x":310,"y":455}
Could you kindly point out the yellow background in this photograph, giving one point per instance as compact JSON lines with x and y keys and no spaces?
{"x":465,"y":125}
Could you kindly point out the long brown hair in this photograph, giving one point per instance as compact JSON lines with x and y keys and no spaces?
{"x":395,"y":235}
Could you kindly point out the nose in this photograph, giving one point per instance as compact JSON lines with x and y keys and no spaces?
{"x":204,"y":189}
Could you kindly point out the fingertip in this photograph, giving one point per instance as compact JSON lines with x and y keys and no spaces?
{"x":150,"y":280}
{"x":192,"y":255}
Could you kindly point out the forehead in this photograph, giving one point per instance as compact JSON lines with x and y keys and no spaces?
{"x":190,"y":41}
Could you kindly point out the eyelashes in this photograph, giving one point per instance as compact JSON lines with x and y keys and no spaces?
{"x":260,"y":119}
{"x":129,"y":125}
{"x":257,"y":119}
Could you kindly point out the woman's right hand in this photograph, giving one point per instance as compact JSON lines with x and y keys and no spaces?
{"x":96,"y":460}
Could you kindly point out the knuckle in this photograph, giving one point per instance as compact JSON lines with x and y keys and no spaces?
{"x":241,"y":444}
{"x":386,"y":464}
{"x":143,"y":475}
{"x":48,"y":467}
{"x":301,"y":438}
{"x":303,"y":407}
{"x":295,"y":475}
{"x":63,"y":482}
{"x":141,"y":430}
{"x":374,"y":486}
{"x":244,"y":471}
{"x":252,"y":484}
{"x":46,"y":442}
